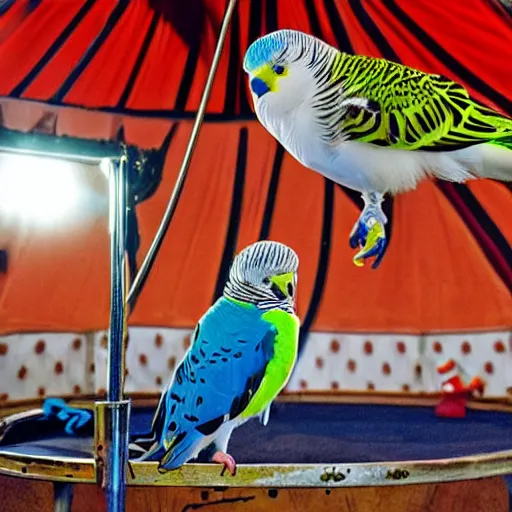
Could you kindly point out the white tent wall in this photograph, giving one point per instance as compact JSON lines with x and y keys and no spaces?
{"x":53,"y":364}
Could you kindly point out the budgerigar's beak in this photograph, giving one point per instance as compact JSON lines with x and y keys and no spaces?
{"x":284,"y":284}
{"x":263,"y":80}
{"x":259,"y":87}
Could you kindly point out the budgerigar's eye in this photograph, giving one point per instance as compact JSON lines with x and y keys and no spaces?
{"x":290,"y":289}
{"x":278,"y":69}
{"x":266,"y":281}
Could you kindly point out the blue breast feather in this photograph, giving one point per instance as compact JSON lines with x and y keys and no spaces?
{"x":231,"y":348}
{"x":263,"y":51}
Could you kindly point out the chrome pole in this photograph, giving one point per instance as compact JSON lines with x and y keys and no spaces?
{"x":118,"y":194}
{"x":143,"y":273}
{"x":112,"y":417}
{"x":62,"y":496}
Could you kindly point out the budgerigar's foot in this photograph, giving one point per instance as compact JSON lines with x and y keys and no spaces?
{"x":227,"y":460}
{"x":370,"y":236}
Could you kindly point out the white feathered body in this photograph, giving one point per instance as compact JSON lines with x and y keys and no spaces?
{"x":366,"y":167}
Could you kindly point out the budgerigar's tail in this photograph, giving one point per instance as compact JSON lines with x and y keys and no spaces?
{"x":183,"y":447}
{"x":496,"y":160}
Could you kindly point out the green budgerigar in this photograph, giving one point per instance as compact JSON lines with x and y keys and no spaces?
{"x":241,"y":356}
{"x":372,"y":125}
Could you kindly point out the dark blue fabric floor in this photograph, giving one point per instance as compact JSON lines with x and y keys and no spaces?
{"x":316,"y":433}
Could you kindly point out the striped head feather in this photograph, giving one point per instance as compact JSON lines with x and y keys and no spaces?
{"x":264,"y":274}
{"x":287,"y":62}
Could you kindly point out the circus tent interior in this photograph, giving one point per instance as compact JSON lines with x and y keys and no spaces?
{"x":443,"y":288}
{"x":133,"y":72}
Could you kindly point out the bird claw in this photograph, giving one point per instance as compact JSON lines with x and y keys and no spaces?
{"x":227,"y":460}
{"x":370,"y":236}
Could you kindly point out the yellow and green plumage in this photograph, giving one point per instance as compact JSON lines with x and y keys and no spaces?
{"x":280,"y":366}
{"x":372,"y":125}
{"x":242,"y":353}
{"x":414,"y":110}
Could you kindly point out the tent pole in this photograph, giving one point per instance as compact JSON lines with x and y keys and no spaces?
{"x":112,"y":417}
{"x":145,"y":268}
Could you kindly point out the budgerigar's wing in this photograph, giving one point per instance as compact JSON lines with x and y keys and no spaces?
{"x":392,"y":105}
{"x":213,"y":385}
{"x":152,"y":442}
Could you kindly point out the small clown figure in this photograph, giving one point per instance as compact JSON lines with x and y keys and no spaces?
{"x":455,"y":391}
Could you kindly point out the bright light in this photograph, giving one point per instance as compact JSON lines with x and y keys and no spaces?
{"x":39,"y":190}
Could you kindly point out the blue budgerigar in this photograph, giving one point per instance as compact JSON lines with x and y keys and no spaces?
{"x":372,"y":125}
{"x":241,"y":356}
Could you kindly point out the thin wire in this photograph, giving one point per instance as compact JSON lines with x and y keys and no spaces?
{"x":149,"y":260}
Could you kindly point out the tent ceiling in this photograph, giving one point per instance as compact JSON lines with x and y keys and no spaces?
{"x":138,"y":65}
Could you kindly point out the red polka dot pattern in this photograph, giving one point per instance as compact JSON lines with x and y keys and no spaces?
{"x":330,"y":362}
{"x":51,"y":364}
{"x":40,"y":347}
{"x":22,"y":373}
{"x":437,"y":347}
{"x":465,"y":348}
{"x":499,"y":347}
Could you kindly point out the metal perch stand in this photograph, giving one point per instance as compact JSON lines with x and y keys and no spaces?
{"x":112,"y":417}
